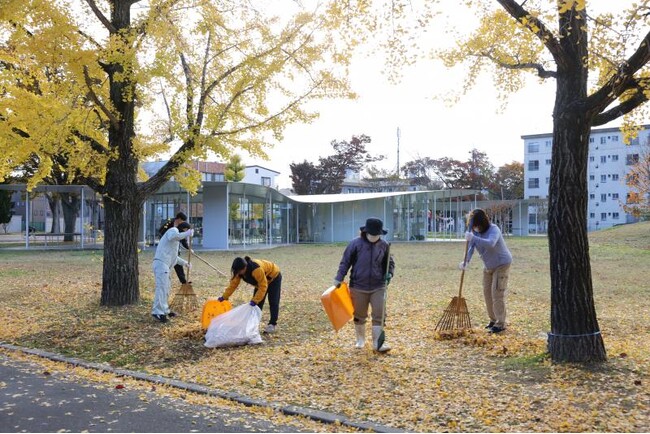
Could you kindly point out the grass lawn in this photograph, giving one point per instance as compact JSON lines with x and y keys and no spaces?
{"x":50,"y":300}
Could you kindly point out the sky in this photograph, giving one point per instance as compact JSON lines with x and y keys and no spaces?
{"x":428,"y":126}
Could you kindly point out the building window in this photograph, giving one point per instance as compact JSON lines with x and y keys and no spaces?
{"x":548,"y":161}
{"x":603,"y":140}
{"x":266,"y":181}
{"x":533,"y":165}
{"x":532,"y":219}
{"x":592,"y":177}
{"x":592,"y":215}
{"x":591,"y":140}
{"x":603,"y":178}
{"x":603,"y":159}
{"x":257,"y":171}
{"x":614,"y":138}
{"x":615,"y":216}
{"x":603,"y":216}
{"x":591,"y":159}
{"x":533,"y":148}
{"x":614,"y":196}
{"x":631,"y":159}
{"x":614,"y":157}
{"x":615,"y":177}
{"x":592,"y":196}
{"x":603,"y":197}
{"x":533,"y":183}
{"x":548,"y":180}
{"x":547,"y":143}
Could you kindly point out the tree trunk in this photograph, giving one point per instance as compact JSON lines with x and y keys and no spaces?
{"x":70,"y":205}
{"x":575,"y":335}
{"x":121,"y":285}
{"x":53,"y":202}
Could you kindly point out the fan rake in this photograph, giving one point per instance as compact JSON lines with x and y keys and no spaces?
{"x":185,"y":299}
{"x":456,"y":315}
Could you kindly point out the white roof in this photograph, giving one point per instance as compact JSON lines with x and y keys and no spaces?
{"x":349,"y":197}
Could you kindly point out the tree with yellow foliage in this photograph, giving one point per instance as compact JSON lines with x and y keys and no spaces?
{"x":600,"y":67}
{"x":110,"y":83}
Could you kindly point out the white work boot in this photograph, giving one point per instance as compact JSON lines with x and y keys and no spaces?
{"x":376,"y":331}
{"x":360,"y":331}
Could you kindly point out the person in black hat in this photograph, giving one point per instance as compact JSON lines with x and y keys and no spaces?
{"x":368,"y":256}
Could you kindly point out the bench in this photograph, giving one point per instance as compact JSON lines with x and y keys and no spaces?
{"x":54,"y":237}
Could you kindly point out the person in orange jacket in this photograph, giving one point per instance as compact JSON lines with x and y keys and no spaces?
{"x":265,"y":277}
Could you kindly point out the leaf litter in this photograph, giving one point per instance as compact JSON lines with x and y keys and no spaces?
{"x":467,"y":383}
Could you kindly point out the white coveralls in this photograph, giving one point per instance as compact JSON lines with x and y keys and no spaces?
{"x":165,"y":258}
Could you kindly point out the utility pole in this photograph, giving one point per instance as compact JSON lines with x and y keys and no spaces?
{"x":398,"y":136}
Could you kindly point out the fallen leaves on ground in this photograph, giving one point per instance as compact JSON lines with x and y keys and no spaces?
{"x":469,"y":382}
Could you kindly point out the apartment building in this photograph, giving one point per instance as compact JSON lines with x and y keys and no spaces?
{"x":610,"y":160}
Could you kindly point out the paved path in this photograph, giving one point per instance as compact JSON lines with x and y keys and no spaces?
{"x":35,"y":400}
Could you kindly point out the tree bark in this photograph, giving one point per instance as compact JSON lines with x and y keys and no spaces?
{"x":70,"y":205}
{"x":575,"y":334}
{"x":121,"y":284}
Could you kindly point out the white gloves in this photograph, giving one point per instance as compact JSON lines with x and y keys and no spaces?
{"x":191,"y":231}
{"x":463,"y":266}
{"x":189,"y":265}
{"x":469,"y":236}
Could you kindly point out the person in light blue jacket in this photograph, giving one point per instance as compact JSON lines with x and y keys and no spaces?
{"x":486,"y":238}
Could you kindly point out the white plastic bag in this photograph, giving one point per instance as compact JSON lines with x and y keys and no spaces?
{"x":238,"y":326}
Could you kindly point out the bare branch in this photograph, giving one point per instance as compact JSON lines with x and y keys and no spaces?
{"x":541,"y":71}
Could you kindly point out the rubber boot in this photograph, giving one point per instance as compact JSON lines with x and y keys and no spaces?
{"x":360,"y":331}
{"x":376,"y":331}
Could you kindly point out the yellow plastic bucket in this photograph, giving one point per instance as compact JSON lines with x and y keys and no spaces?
{"x":213,"y":308}
{"x":338,"y":305}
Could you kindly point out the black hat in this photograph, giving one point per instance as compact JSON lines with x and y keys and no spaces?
{"x":373,"y":226}
{"x":183,"y":226}
{"x":181,"y":216}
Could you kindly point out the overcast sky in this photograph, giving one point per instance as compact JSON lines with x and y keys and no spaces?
{"x":428,"y":127}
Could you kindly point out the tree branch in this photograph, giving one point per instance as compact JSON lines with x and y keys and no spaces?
{"x":622,"y":80}
{"x":534,"y":25}
{"x":109,"y":26}
{"x":541,"y":71}
{"x":624,"y":108}
{"x":114,"y":121}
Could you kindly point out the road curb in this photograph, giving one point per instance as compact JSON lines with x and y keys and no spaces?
{"x":290,"y":410}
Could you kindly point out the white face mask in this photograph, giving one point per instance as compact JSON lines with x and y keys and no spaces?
{"x":373,"y":238}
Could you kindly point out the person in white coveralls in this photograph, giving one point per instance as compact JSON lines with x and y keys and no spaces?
{"x":165,"y":258}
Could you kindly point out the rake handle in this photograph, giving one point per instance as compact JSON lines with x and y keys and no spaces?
{"x":208,"y":264}
{"x":189,"y":256}
{"x":462,"y":272}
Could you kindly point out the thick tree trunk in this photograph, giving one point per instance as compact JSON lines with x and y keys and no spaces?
{"x":70,"y":205}
{"x":121,"y":285}
{"x":575,"y":335}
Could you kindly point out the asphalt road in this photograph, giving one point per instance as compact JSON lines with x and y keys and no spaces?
{"x":35,"y":400}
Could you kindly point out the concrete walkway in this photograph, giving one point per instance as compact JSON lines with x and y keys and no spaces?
{"x":23,"y":387}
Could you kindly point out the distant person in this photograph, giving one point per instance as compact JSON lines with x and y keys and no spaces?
{"x":368,"y":257}
{"x":165,"y":258}
{"x":170,"y":223}
{"x":265,"y":277}
{"x":486,"y":237}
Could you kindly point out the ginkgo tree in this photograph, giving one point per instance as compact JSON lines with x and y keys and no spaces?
{"x":599,"y":63}
{"x":110,"y":83}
